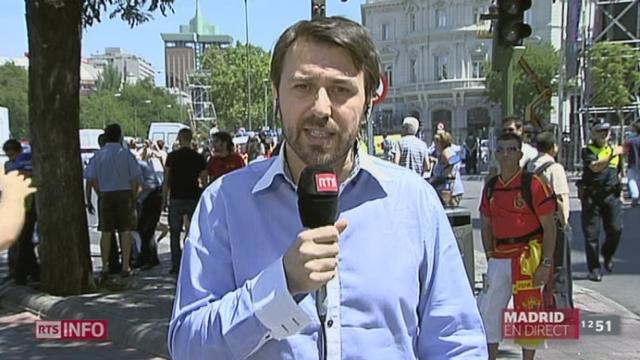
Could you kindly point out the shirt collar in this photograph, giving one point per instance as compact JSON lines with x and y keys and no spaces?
{"x":362,"y":162}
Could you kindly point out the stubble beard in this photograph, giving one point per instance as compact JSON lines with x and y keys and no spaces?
{"x":332,"y":154}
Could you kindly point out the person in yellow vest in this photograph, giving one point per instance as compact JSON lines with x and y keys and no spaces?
{"x":600,"y":189}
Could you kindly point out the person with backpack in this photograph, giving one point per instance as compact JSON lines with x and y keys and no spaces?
{"x":518,"y":235}
{"x":599,"y":191}
{"x":553,"y":173}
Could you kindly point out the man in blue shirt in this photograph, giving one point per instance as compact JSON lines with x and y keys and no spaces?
{"x":116,"y":175}
{"x":395,"y":283}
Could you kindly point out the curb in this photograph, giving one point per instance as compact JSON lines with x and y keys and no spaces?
{"x":146,"y":337}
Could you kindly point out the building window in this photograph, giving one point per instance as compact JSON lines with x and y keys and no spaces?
{"x":441,"y":18}
{"x":413,"y":74}
{"x":388,"y":73}
{"x":385,"y":32}
{"x":412,"y":22}
{"x":440,"y":70}
{"x":476,"y":15}
{"x":477,"y":70}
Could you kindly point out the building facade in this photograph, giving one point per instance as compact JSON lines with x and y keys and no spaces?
{"x":132,"y":68}
{"x":434,"y":61}
{"x":183,"y":50}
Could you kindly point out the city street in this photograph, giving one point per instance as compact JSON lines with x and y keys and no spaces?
{"x":138,"y":314}
{"x":622,"y":285}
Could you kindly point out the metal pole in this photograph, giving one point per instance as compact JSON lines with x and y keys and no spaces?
{"x":135,"y":121}
{"x":561,"y":80}
{"x":246,"y":22}
{"x":265,"y":103}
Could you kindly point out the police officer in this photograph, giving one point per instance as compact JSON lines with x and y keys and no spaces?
{"x":600,"y":197}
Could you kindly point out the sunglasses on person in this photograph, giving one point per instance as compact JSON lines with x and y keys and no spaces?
{"x":507,"y":149}
{"x":509,"y":130}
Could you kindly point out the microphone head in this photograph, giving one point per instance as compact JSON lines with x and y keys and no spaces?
{"x":318,"y":196}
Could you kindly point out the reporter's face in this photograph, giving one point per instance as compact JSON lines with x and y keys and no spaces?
{"x":322,"y":101}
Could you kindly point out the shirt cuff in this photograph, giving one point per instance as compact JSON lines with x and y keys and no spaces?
{"x":274,"y":306}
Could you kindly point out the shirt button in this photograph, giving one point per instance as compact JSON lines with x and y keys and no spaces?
{"x":330,"y":323}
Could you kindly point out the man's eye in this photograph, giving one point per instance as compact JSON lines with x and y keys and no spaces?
{"x":342,"y":90}
{"x":301,"y":86}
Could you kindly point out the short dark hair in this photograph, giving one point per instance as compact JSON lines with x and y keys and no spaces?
{"x":511,"y":136}
{"x":337,"y":31}
{"x":545,"y":141}
{"x":185,"y":135}
{"x":12,"y":145}
{"x":113,"y":133}
{"x":226,"y":138}
{"x":102,"y":139}
{"x":512,"y":120}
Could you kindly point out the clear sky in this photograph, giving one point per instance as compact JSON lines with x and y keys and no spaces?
{"x":267,"y":19}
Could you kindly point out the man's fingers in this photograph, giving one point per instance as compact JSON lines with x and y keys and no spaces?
{"x":322,"y":277}
{"x":314,"y":250}
{"x":321,"y":265}
{"x":341,"y":225}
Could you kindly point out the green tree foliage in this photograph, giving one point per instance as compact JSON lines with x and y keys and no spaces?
{"x":544,"y":61}
{"x":13,"y":95}
{"x":109,"y":79}
{"x":134,"y":107}
{"x":615,"y":76}
{"x":229,"y":85}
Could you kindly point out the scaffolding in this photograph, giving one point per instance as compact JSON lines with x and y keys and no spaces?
{"x":202,"y":110}
{"x":616,"y":21}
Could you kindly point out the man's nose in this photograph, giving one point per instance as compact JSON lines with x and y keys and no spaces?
{"x":322,"y":103}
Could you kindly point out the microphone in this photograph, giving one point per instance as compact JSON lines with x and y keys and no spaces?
{"x":318,"y":206}
{"x":318,"y":196}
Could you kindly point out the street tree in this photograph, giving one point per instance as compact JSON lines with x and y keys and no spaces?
{"x":134,"y":107}
{"x":54,"y":30}
{"x":615,"y":76}
{"x":229,"y":85}
{"x":13,"y":96}
{"x":110,"y":79}
{"x":544,"y":61}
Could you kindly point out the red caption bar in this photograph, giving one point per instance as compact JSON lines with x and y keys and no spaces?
{"x":71,"y":329}
{"x":541,"y":324}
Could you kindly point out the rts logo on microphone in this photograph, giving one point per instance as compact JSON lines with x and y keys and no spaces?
{"x":326,"y":182}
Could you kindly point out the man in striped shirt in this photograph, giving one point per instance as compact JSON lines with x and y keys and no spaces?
{"x":409,"y":151}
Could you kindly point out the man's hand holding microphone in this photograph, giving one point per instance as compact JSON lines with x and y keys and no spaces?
{"x":311,"y":261}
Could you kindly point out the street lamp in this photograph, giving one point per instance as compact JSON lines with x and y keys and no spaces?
{"x":135,"y":118}
{"x":246,"y":22}
{"x":266,"y":85}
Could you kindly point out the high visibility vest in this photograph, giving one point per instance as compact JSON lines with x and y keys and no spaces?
{"x":604,"y":153}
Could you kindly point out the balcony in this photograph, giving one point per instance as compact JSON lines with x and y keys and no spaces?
{"x":437,"y":86}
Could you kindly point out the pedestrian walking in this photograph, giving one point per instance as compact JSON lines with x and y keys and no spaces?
{"x":185,"y":177}
{"x":518,"y":236}
{"x":600,"y":188}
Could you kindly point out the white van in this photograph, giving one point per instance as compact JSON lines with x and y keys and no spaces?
{"x":167,"y":131}
{"x":88,"y":143}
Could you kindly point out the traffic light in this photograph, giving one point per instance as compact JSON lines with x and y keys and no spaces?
{"x":511,"y":29}
{"x":318,"y":8}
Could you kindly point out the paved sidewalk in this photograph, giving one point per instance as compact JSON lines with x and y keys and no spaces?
{"x":138,"y":317}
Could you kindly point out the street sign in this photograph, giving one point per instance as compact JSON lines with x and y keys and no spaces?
{"x":381,"y":91}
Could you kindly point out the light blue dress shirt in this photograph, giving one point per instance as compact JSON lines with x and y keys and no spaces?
{"x":401,"y":290}
{"x":114,"y":167}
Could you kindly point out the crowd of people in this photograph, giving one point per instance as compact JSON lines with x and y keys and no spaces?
{"x":252,"y":281}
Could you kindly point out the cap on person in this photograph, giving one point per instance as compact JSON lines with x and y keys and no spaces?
{"x":23,"y":162}
{"x":601,"y":126}
{"x":410,"y":124}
